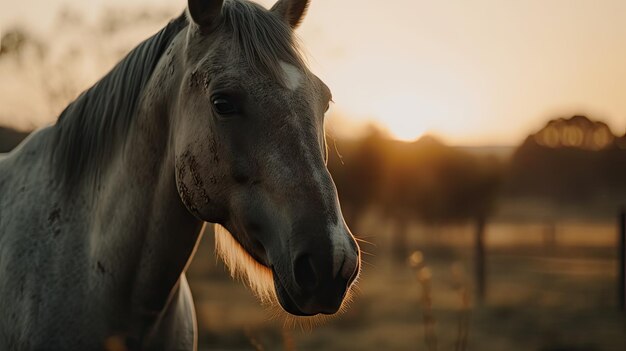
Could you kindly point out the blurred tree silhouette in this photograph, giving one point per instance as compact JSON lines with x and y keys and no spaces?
{"x":13,"y":42}
{"x":359,"y":176}
{"x":73,"y":54}
{"x":425,"y":181}
{"x":574,"y":162}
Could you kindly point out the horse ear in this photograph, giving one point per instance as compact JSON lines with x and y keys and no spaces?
{"x":205,"y":13}
{"x":292,"y":11}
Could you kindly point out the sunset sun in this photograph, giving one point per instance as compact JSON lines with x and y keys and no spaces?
{"x":407,"y":116}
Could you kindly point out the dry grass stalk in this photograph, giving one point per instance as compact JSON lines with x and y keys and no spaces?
{"x":289,"y":344}
{"x":254,"y":342}
{"x":424,"y":277}
{"x":464,"y":310}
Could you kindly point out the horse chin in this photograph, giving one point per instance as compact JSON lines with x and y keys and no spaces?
{"x":287,"y":302}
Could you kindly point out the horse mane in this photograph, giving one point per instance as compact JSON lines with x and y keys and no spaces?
{"x":100,"y":118}
{"x":89,"y":127}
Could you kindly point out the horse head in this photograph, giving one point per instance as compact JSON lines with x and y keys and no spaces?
{"x":250,"y":155}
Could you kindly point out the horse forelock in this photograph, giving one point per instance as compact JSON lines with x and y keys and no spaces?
{"x":262,"y":39}
{"x":243,"y":266}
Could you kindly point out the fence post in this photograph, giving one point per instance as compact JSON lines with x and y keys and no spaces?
{"x":621,"y":256}
{"x":479,"y":269}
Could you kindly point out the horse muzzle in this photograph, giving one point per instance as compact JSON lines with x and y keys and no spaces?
{"x":317,"y":282}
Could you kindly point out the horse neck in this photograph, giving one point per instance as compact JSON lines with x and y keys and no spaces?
{"x":147,"y":234}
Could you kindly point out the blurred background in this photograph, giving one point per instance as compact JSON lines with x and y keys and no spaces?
{"x":479,"y":150}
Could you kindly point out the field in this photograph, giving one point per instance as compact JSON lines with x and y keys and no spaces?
{"x":545,"y":292}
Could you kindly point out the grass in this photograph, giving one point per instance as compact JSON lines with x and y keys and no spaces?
{"x":548,"y":300}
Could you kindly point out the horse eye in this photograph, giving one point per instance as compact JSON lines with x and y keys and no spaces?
{"x":223,"y":106}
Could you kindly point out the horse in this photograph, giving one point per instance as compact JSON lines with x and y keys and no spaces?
{"x":214,"y":119}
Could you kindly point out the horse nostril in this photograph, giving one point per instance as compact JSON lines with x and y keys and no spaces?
{"x":304,"y":272}
{"x":349,"y":270}
{"x":354,"y":274}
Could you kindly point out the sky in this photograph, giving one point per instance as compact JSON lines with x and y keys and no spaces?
{"x":480,"y":72}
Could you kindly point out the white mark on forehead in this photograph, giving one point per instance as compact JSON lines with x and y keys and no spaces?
{"x":291,"y":75}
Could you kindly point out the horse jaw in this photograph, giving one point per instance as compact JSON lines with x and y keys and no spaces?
{"x":242,"y":266}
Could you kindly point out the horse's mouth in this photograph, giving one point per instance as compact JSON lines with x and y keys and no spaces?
{"x":286,"y":301}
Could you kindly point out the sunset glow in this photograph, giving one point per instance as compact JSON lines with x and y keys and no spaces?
{"x":480,"y":72}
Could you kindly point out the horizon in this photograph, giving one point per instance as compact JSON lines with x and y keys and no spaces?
{"x":479,"y":74}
